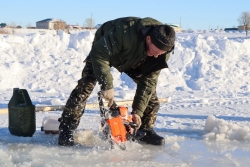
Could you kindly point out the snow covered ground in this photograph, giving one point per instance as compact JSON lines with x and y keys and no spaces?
{"x":206,"y":121}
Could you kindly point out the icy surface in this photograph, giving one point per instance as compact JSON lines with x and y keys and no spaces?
{"x":206,"y":121}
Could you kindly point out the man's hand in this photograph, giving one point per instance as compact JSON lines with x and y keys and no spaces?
{"x":137,"y":120}
{"x":109,"y":96}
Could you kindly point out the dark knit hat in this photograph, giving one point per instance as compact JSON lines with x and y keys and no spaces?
{"x":163,"y":37}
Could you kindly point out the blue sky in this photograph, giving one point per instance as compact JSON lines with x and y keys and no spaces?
{"x":192,"y":14}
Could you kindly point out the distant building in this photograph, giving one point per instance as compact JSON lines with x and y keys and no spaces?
{"x":98,"y":26}
{"x":51,"y":24}
{"x":230,"y":29}
{"x":176,"y":27}
{"x":73,"y":27}
{"x":31,"y":27}
{"x":243,"y":27}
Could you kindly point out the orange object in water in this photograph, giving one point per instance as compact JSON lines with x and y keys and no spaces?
{"x":118,"y":130}
{"x":123,"y":111}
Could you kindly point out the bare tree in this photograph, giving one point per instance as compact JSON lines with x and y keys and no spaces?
{"x":244,"y":20}
{"x":12,"y":25}
{"x":89,"y":22}
{"x":28,"y":25}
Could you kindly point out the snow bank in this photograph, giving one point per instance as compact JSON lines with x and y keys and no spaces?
{"x":220,"y":130}
{"x":201,"y":61}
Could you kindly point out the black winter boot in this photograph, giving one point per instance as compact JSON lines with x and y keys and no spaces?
{"x":151,"y":137}
{"x":66,"y":138}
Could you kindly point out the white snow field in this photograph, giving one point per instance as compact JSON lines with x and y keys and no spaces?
{"x":206,"y":121}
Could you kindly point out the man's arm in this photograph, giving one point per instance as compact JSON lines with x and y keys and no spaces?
{"x":110,"y":44}
{"x":145,"y":87}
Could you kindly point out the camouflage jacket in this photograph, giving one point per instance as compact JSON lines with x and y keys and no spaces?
{"x":120,"y":43}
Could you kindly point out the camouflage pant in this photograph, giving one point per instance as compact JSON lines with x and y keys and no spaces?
{"x":150,"y":114}
{"x":76,"y":103}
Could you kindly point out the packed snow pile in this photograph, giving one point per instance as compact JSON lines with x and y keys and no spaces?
{"x":221,"y":130}
{"x":211,"y":62}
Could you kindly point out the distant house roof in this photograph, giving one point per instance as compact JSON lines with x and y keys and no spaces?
{"x":227,"y":29}
{"x":174,"y":25}
{"x":49,"y":20}
{"x":98,"y":25}
{"x":74,"y":26}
